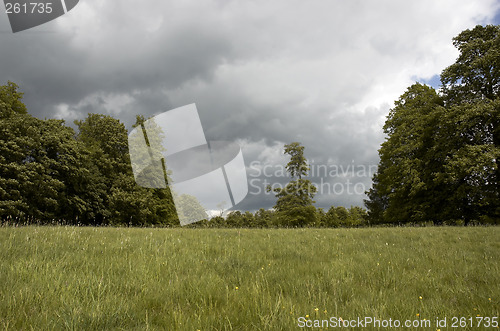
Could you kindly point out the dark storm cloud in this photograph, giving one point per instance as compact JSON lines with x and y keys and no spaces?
{"x":57,"y":67}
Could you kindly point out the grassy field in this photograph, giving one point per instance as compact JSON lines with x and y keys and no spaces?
{"x":80,"y":278}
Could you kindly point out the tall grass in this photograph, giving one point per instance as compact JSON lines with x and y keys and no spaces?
{"x":82,"y":278}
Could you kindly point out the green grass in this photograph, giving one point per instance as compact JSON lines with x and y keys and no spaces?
{"x":80,"y":278}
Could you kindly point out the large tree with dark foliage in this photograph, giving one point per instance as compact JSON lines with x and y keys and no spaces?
{"x":41,"y":164}
{"x":441,"y":160}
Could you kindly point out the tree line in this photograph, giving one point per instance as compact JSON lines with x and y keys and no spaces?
{"x":50,"y":173}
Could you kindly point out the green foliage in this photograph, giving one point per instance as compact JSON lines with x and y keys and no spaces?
{"x":10,"y":101}
{"x":357,"y":216}
{"x":404,"y":179}
{"x":295,"y":204}
{"x":106,"y":137}
{"x":470,"y":154}
{"x":476,"y":73}
{"x":297,"y":167}
{"x":441,"y":160}
{"x":234,"y":219}
{"x":116,"y":195}
{"x":295,"y":201}
{"x":341,"y":217}
{"x":37,"y":158}
{"x":263,"y":218}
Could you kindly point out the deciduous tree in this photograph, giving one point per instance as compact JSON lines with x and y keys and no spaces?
{"x":295,"y":200}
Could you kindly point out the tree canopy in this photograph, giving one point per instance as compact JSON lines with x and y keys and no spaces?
{"x":440,"y":160}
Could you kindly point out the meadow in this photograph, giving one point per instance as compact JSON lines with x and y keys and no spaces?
{"x":104,"y":278}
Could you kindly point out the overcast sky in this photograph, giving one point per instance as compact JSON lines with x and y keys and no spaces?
{"x":262,"y":73}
